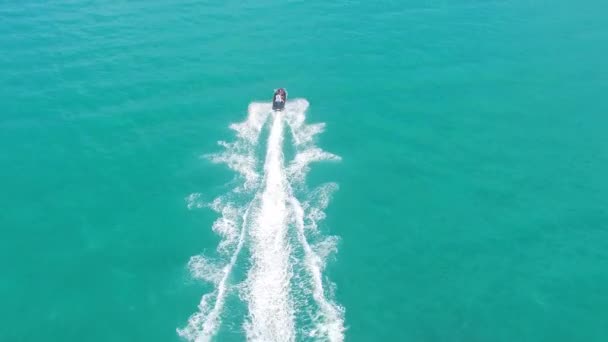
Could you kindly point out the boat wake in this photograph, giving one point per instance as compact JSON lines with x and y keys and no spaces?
{"x":269,"y":237}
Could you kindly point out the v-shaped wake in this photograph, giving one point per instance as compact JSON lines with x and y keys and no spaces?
{"x":284,"y":288}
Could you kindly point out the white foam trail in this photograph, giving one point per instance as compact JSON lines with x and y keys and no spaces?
{"x":303,"y":136}
{"x":300,"y":165}
{"x":328,"y":321}
{"x":302,"y":133}
{"x":264,"y":224}
{"x":204,"y":324}
{"x":271,"y":313}
{"x":239,"y":156}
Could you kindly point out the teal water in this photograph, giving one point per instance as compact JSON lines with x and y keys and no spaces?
{"x":472,"y":201}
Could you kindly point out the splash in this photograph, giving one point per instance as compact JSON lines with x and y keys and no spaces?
{"x":285,"y":291}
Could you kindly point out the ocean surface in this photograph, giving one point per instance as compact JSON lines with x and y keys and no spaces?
{"x":439,"y":173}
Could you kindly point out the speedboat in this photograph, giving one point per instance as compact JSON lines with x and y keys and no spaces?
{"x":279,"y":99}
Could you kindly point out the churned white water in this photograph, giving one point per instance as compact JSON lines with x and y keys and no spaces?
{"x":286,"y":296}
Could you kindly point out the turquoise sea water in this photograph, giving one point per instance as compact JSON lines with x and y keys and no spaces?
{"x":472,"y":200}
